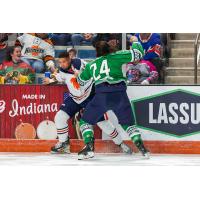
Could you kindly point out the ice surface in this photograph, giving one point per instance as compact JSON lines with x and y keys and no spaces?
{"x":47,"y":159}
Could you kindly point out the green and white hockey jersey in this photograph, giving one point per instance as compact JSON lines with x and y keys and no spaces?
{"x":110,"y":68}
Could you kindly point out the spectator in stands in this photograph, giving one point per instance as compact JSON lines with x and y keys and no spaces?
{"x":144,"y":73}
{"x":130,"y":39}
{"x":113,"y":39}
{"x":151,"y":43}
{"x":61,"y":39}
{"x":166,"y":48}
{"x":72,"y":53}
{"x":82,"y":38}
{"x":3,"y":45}
{"x":14,"y":71}
{"x":37,"y":51}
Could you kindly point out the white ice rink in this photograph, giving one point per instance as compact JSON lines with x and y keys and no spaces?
{"x":47,"y":159}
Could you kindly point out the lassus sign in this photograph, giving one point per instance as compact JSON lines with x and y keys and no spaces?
{"x":175,"y":113}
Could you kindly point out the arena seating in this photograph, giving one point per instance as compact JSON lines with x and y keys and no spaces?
{"x":181,"y":62}
{"x":83,"y":52}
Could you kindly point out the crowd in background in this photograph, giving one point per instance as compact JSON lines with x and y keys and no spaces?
{"x":32,"y":55}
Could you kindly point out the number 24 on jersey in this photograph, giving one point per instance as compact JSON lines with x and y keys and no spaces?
{"x":104,"y":70}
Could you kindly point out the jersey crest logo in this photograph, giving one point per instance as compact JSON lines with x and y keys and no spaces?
{"x":34,"y":50}
{"x":74,"y":82}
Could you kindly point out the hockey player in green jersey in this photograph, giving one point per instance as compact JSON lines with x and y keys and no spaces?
{"x":108,"y":72}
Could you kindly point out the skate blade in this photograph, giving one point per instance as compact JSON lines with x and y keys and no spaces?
{"x":128,"y":152}
{"x":146,"y":156}
{"x":126,"y":149}
{"x":84,"y":157}
{"x":60,"y":152}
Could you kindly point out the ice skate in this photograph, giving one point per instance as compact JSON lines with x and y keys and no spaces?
{"x":61,"y":147}
{"x":142,"y":149}
{"x":87,"y":151}
{"x":125,"y":148}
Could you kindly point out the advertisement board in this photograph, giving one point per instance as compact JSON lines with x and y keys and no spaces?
{"x":167,"y":112}
{"x":32,"y":105}
{"x":162,"y":113}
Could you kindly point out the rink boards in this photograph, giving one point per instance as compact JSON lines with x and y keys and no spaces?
{"x":168,"y":117}
{"x":101,"y":146}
